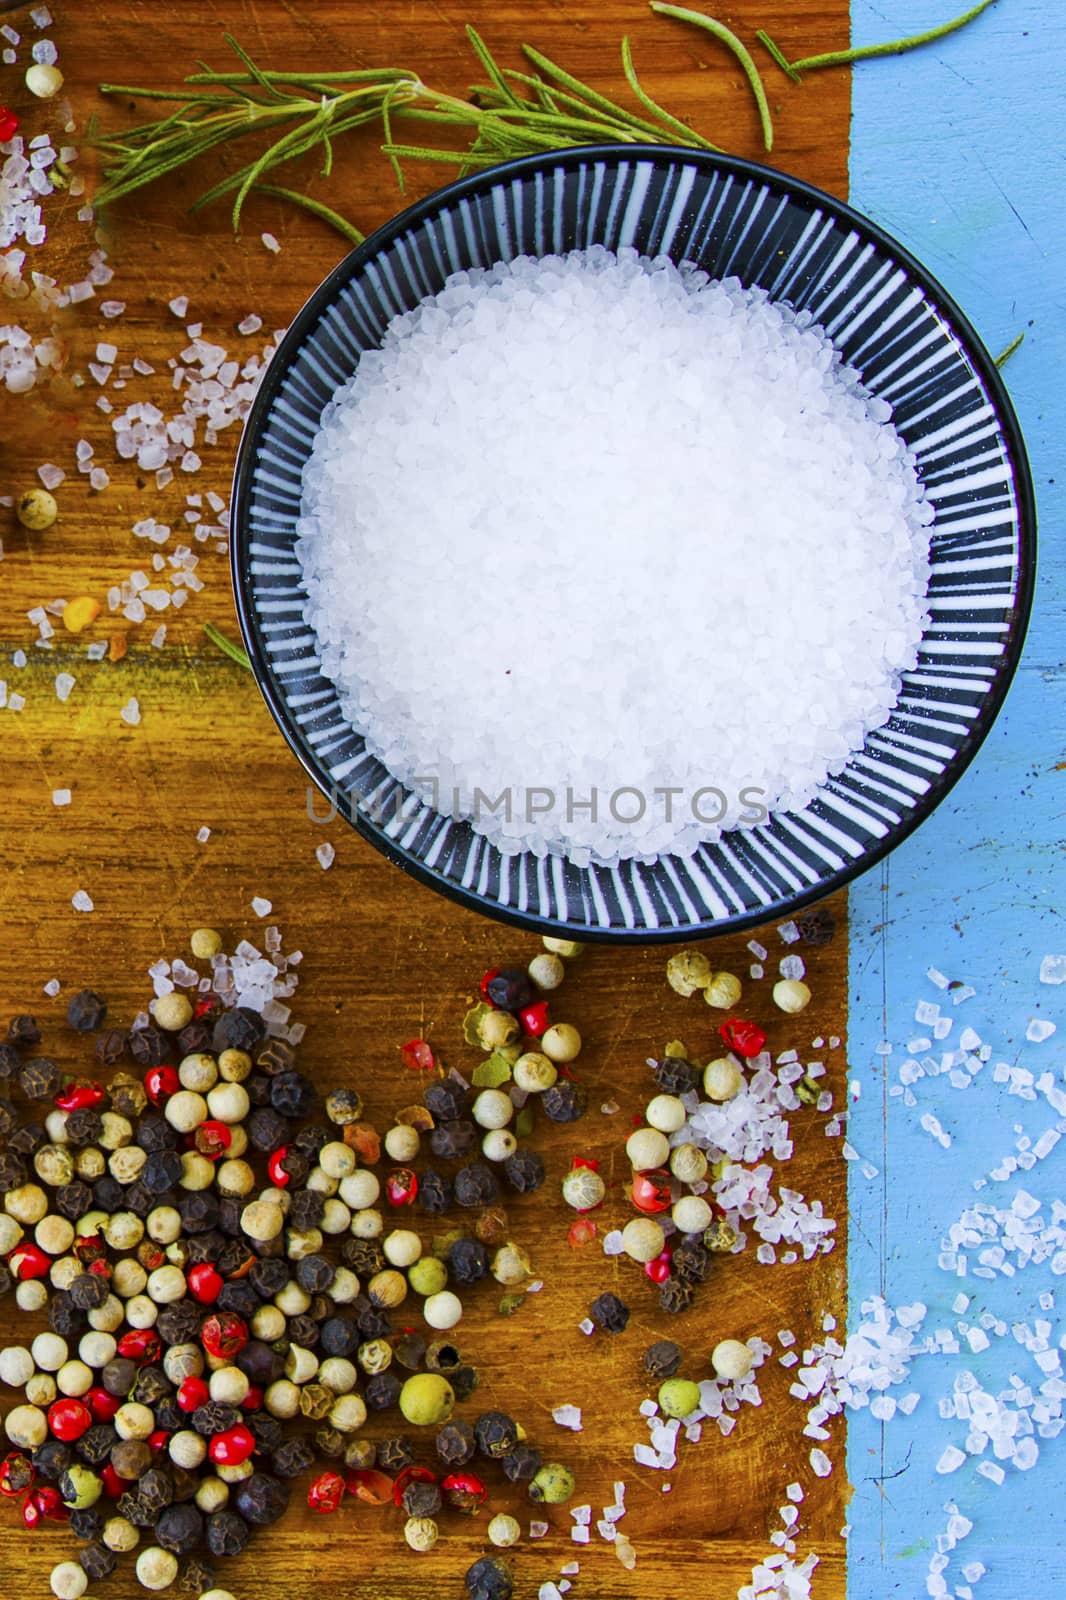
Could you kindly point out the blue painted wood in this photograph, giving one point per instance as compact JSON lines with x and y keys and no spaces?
{"x":956,"y":150}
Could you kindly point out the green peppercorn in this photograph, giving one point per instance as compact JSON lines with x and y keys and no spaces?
{"x":80,"y":1487}
{"x":720,"y":1236}
{"x":36,"y":510}
{"x":678,"y":1397}
{"x":688,"y":971}
{"x":807,"y":1090}
{"x":553,"y":1485}
{"x":427,"y":1399}
{"x":427,"y":1276}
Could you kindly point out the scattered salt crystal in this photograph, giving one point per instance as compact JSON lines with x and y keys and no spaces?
{"x":81,"y":901}
{"x":325,"y":854}
{"x":792,"y":967}
{"x":64,"y":683}
{"x":202,"y":835}
{"x":648,"y":1408}
{"x":250,"y":324}
{"x":179,"y":305}
{"x":52,"y":988}
{"x":580,"y":1535}
{"x":261,"y":907}
{"x":1038,"y":1030}
{"x":820,"y":1463}
{"x":41,"y":16}
{"x":568,"y":1417}
{"x":759,"y":951}
{"x":61,"y":797}
{"x":131,"y":712}
{"x":788,"y":932}
{"x":586,"y":1325}
{"x":537,"y":1530}
{"x":549,"y":1591}
{"x":951,"y":1459}
{"x":612,"y":1243}
{"x":270,"y":243}
{"x":50,"y":475}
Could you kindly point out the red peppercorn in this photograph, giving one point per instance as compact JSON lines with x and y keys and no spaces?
{"x":68,"y":1419}
{"x":326,"y":1492}
{"x":104,"y":1269}
{"x":586,"y":1161}
{"x":373,"y":1488}
{"x":90,"y":1247}
{"x":192,"y":1394}
{"x":659,"y":1269}
{"x":401,"y":1187}
{"x":275,"y":1171}
{"x":534,"y":1018}
{"x":464,"y":1490}
{"x":103,"y":1406}
{"x":650,"y":1191}
{"x":253,"y":1399}
{"x":160,"y":1083}
{"x":413,"y":1474}
{"x":81,"y":1095}
{"x":28,"y":1260}
{"x":142,"y":1345}
{"x":224,"y":1334}
{"x":483,"y":990}
{"x":158,"y":1441}
{"x":43,"y":1503}
{"x":209,"y":1005}
{"x":212,"y":1139}
{"x":114,"y":1486}
{"x":417,"y":1056}
{"x":17,"y":1473}
{"x":205,"y":1282}
{"x":9,"y":124}
{"x":744,"y":1037}
{"x":581,"y":1232}
{"x":230,"y":1448}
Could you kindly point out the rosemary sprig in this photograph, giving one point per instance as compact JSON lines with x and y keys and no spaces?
{"x":1005,"y":355}
{"x":726,"y":36}
{"x":865,"y":52}
{"x":223,"y":642}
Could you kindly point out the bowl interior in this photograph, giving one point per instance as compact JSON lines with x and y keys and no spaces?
{"x":913,"y":348}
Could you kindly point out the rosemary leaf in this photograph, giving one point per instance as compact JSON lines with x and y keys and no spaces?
{"x":653,"y":106}
{"x":777,"y":55}
{"x":1005,"y":355}
{"x":481,"y":50}
{"x":726,"y":36}
{"x":224,"y":643}
{"x":894,"y":47}
{"x":346,"y":229}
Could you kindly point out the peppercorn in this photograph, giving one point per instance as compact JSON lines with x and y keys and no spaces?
{"x":86,"y":1523}
{"x":30,"y":1138}
{"x":410,"y":1351}
{"x":51,"y":1459}
{"x":162,"y":1171}
{"x":291,"y":1094}
{"x":372,"y":1322}
{"x":7,"y":1119}
{"x":691,"y":1262}
{"x":151,"y":1387}
{"x":261,"y":1499}
{"x":89,"y":1291}
{"x":238,"y":1029}
{"x":468,"y":1261}
{"x":86,"y":1011}
{"x":552,"y":1485}
{"x":132,"y":1507}
{"x":421,"y":1498}
{"x":344,"y":1105}
{"x":119,"y":1376}
{"x":84,"y":1126}
{"x":9,"y":1061}
{"x":148,"y":1046}
{"x":198,"y":1210}
{"x":817,"y":926}
{"x":154,"y":1132}
{"x":524,"y":1171}
{"x":97,"y":1560}
{"x":40,"y":1079}
{"x":675,"y":1295}
{"x":661,"y":1360}
{"x":496,"y":1434}
{"x":169,"y":1415}
{"x":314,"y":1273}
{"x":241,"y":1299}
{"x":464,"y":1380}
{"x":510,"y":989}
{"x":522,"y":1463}
{"x":306,"y":1209}
{"x":198,"y":1578}
{"x":226,"y":1533}
{"x":268,"y":1278}
{"x":179,"y":1323}
{"x":359,"y":1454}
{"x":489,"y":1579}
{"x":80,"y":1486}
{"x":456,"y":1444}
{"x":563,"y":1102}
{"x":291,"y":1458}
{"x":23,"y":1031}
{"x":266,"y":1129}
{"x":609,"y":1313}
{"x":452,"y":1141}
{"x":155,"y":1489}
{"x":213,"y":1417}
{"x":64,"y":1317}
{"x":475,"y":1185}
{"x":394,"y":1454}
{"x":339,"y":1336}
{"x":96,"y":1443}
{"x":382,"y":1391}
{"x":12,"y":1171}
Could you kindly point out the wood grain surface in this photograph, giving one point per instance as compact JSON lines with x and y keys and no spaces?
{"x":386,"y":959}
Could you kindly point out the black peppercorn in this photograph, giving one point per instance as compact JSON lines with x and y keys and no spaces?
{"x":168,"y":1414}
{"x":303,"y":1330}
{"x":675,"y":1295}
{"x":234,"y":1258}
{"x":275,"y":1056}
{"x":238,"y":1297}
{"x":197,"y":1577}
{"x":86,"y":1011}
{"x":226,"y":1534}
{"x":41,"y":1079}
{"x":359,"y":1454}
{"x":88,"y":1291}
{"x":198,"y":1211}
{"x":291,"y":1458}
{"x":155,"y":1133}
{"x":132,"y":1507}
{"x":161,"y":1171}
{"x":489,"y":1579}
{"x":661,"y":1360}
{"x":339,"y":1337}
{"x":152,"y":1386}
{"x":464,"y":1380}
{"x":452,"y":1141}
{"x":394,"y":1454}
{"x":496,"y":1434}
{"x":410,"y":1351}
{"x":563,"y":1102}
{"x":119,"y":1376}
{"x":8,"y":1119}
{"x":7,"y":1283}
{"x":108,"y":1193}
{"x":609,"y":1313}
{"x":261,"y":1499}
{"x":295,"y":1164}
{"x":266,"y":1130}
{"x":180,"y":1528}
{"x":475,"y":1185}
{"x":87,"y":1523}
{"x":268,"y":1278}
{"x":372,"y":1322}
{"x":51,"y":1459}
{"x":691,"y":1262}
{"x":138,"y":1200}
{"x":84,"y":1127}
{"x":260,"y":1364}
{"x":382,"y":1391}
{"x":97,"y":1560}
{"x":434,"y":1192}
{"x":180,"y":1323}
{"x":110,"y":1048}
{"x":343,"y":1106}
{"x":468,"y":1261}
{"x":23,"y":1032}
{"x":314,"y":1273}
{"x":329,"y":1443}
{"x":28,"y":1140}
{"x":185,"y":1484}
{"x":524,"y":1171}
{"x":214,"y":1417}
{"x":421,"y":1499}
{"x":456,"y":1444}
{"x":148,"y":1046}
{"x":195,"y":1038}
{"x":12,"y":1171}
{"x":64,"y":1317}
{"x":9,"y":1061}
{"x":96,"y":1444}
{"x":510,"y":989}
{"x":291,"y":1094}
{"x":239,"y":1029}
{"x":523,"y":1463}
{"x":674,"y":1075}
{"x":364,"y":1256}
{"x":204,"y":1247}
{"x":267,"y":1431}
{"x":257,"y":1088}
{"x":73,"y":1200}
{"x":816,"y":926}
{"x":306,"y":1209}
{"x":444,"y":1100}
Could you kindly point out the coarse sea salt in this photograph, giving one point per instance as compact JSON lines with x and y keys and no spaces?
{"x":475,"y":429}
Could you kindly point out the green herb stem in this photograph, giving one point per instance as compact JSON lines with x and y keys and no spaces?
{"x":1005,"y":355}
{"x":893,"y":47}
{"x":223,"y":642}
{"x":316,"y":207}
{"x":726,"y":36}
{"x":777,"y":55}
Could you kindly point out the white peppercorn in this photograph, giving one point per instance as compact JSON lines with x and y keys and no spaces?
{"x":234,"y":1065}
{"x":197,"y":1172}
{"x":74,"y":1378}
{"x":647,"y":1148}
{"x":262,"y":1221}
{"x":89,"y":1163}
{"x":643,"y":1239}
{"x":198,"y":1072}
{"x":37,"y":509}
{"x":54,"y":1234}
{"x":120,"y":1535}
{"x":27,"y":1204}
{"x":141,"y":1312}
{"x":123,"y":1231}
{"x":492,"y":1109}
{"x":185,"y":1111}
{"x":16,"y":1366}
{"x":115,"y":1132}
{"x":108,"y":1317}
{"x":402,"y":1247}
{"x":292,"y":1299}
{"x":320,"y":1181}
{"x":402,"y":1143}
{"x":31,"y":1295}
{"x":567,"y":948}
{"x":442,"y":1310}
{"x":26,"y":1427}
{"x":691,"y":1213}
{"x":62,"y":1273}
{"x":688,"y":1163}
{"x":187,"y":1449}
{"x":235,"y":1178}
{"x":360,"y":1190}
{"x":666,"y":1113}
{"x":166,"y":1285}
{"x":368,"y":1224}
{"x":129,"y":1278}
{"x":228,"y":1102}
{"x":337,"y":1159}
{"x":211,"y":1495}
{"x":235,"y":1473}
{"x":205,"y":943}
{"x":55,"y":1126}
{"x":546,"y":971}
{"x":268,"y":1324}
{"x":561,"y":1042}
{"x":421,"y":1533}
{"x":49,"y":1351}
{"x":723,"y":991}
{"x":172,"y":1011}
{"x":156,"y":1568}
{"x":533,"y":1072}
{"x":300,"y":1364}
{"x":133,"y":1421}
{"x":69,"y":1580}
{"x":347,"y":1413}
{"x":722,"y":1079}
{"x":282,"y":1399}
{"x":335,"y":1218}
{"x":345,"y":1286}
{"x":731,"y":1360}
{"x":10,"y":1234}
{"x":54,"y":1165}
{"x":791,"y":995}
{"x":300,"y":1242}
{"x":338,"y":1374}
{"x":163,"y":1224}
{"x":503,"y":1531}
{"x":688,"y":971}
{"x":41,"y":1389}
{"x":499,"y":1144}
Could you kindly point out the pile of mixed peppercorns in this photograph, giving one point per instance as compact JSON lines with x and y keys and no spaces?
{"x":216,"y":1267}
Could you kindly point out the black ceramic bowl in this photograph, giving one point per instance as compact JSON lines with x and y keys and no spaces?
{"x":891,"y":320}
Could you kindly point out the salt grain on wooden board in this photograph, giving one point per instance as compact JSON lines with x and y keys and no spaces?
{"x":81,"y":901}
{"x":61,"y":797}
